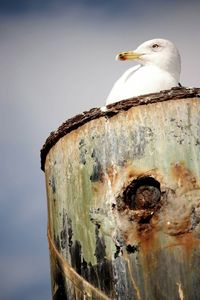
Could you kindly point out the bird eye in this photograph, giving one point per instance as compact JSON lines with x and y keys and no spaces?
{"x":155,"y":46}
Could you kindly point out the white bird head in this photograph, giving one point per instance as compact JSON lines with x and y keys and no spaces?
{"x":158,"y":52}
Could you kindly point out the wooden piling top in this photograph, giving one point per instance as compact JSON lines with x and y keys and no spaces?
{"x":113,"y":109}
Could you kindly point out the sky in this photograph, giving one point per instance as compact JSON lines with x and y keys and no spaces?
{"x":57,"y":59}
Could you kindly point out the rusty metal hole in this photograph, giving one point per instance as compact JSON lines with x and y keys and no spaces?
{"x":142,"y":193}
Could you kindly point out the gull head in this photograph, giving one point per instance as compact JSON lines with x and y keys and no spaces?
{"x":158,"y":52}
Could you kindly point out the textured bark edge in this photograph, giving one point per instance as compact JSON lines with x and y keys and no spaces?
{"x":113,"y":109}
{"x":84,"y":287}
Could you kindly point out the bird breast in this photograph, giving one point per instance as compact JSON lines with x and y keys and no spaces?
{"x":141,"y":80}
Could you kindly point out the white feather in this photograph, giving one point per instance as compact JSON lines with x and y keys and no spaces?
{"x":158,"y":70}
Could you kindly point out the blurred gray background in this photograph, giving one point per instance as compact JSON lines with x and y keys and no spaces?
{"x":57,"y":60}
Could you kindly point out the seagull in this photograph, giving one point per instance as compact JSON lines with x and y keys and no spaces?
{"x":159,"y":69}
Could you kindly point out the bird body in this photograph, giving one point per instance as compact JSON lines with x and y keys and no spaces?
{"x":159,"y":69}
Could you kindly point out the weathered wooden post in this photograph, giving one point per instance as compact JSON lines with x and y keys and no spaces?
{"x":123,"y":189}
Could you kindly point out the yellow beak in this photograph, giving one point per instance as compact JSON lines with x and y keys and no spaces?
{"x":128,"y":55}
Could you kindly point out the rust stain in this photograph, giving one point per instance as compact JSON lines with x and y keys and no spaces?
{"x":179,"y":227}
{"x":184,"y":177}
{"x":112,"y":173}
{"x":142,"y":223}
{"x":136,"y":208}
{"x":122,"y":176}
{"x":149,"y":246}
{"x":189,"y":242}
{"x":132,"y":173}
{"x":127,"y":171}
{"x":98,"y":188}
{"x":137,"y":233}
{"x":148,"y":238}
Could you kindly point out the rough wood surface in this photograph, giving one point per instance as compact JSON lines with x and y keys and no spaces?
{"x":112,"y":109}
